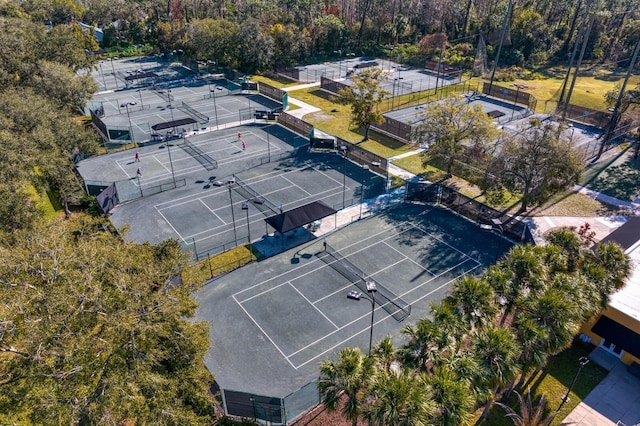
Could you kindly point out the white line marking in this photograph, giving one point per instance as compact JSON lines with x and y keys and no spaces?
{"x":312,"y":304}
{"x":265,"y":334}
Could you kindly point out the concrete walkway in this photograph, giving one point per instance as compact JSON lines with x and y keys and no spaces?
{"x":305,"y":108}
{"x":614,"y":402}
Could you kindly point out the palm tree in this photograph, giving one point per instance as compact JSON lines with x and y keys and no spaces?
{"x":385,"y":353}
{"x":529,"y":415}
{"x":532,"y":338}
{"x":399,"y":399}
{"x":557,"y":315}
{"x":465,"y":366}
{"x":452,"y":397}
{"x":349,"y":374}
{"x":424,"y":344}
{"x":608,"y":267}
{"x":528,"y":272}
{"x":497,"y":351}
{"x":475,"y":301}
{"x":570,"y":244}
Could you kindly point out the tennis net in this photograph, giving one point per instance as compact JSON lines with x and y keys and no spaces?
{"x":264,"y":205}
{"x":207,"y":161}
{"x":194,"y":113}
{"x":394,"y":305}
{"x":164,"y":94}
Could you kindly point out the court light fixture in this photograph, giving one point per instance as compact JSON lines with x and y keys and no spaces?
{"x":354,"y":295}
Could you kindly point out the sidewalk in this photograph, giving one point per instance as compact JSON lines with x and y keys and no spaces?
{"x":304,"y":107}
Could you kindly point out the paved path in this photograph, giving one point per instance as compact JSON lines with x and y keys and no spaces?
{"x":614,"y":402}
{"x":305,"y":108}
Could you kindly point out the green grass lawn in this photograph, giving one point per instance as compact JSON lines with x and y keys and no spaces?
{"x":199,"y":272}
{"x":618,"y":176}
{"x":589,"y":89}
{"x":554,"y":381}
{"x":275,"y":81}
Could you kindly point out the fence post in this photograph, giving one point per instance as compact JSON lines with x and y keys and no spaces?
{"x":195,"y":250}
{"x":209,"y":262}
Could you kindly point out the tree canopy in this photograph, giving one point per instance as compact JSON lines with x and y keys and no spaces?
{"x":93,"y":330}
{"x":365,"y":96}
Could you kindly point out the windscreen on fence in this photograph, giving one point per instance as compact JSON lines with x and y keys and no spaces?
{"x":301,"y":401}
{"x":258,"y":407}
{"x":391,"y":303}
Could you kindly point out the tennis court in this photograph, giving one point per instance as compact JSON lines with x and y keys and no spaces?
{"x":199,"y":215}
{"x":111,"y":74}
{"x":501,"y":111}
{"x":210,"y":105}
{"x":273,"y":322}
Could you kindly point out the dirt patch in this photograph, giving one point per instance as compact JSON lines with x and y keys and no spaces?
{"x":320,"y":416}
{"x":321,"y":116}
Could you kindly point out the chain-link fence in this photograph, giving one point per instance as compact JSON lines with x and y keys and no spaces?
{"x":271,"y":410}
{"x":439,"y":194}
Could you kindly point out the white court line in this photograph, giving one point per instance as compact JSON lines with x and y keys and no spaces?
{"x":261,"y":293}
{"x":291,"y":270}
{"x":212,"y":211}
{"x":400,"y":261}
{"x":337,"y":330}
{"x":215,"y":227}
{"x":312,"y":304}
{"x":412,"y":261}
{"x":467,"y":258}
{"x":265,"y":334}
{"x":172,"y":227}
{"x":430,"y":235}
{"x":162,"y":164}
{"x":295,"y":184}
{"x":124,"y":171}
{"x":367,"y":328}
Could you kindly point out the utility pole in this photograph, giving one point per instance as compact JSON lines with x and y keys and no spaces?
{"x":573,"y":54}
{"x":575,"y":74}
{"x":504,"y":30}
{"x":615,"y":115}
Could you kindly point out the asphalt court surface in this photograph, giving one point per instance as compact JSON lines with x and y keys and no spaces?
{"x":261,"y":142}
{"x":509,"y":111}
{"x":292,"y":309}
{"x":199,"y":214}
{"x":152,"y":109}
{"x":108,"y":73}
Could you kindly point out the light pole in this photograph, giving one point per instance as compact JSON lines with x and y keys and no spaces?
{"x":268,"y":145}
{"x":386,"y":178}
{"x":364,"y":168}
{"x":393,"y":93}
{"x":356,"y":295}
{"x":215,"y":107}
{"x":173,"y":175}
{"x":140,"y":93}
{"x":230,"y":182}
{"x":515,"y":101}
{"x":582,"y":361}
{"x":343,"y":149}
{"x":245,"y":207}
{"x":139,"y":186}
{"x":130,"y":126}
{"x":497,"y":225}
{"x":104,"y":82}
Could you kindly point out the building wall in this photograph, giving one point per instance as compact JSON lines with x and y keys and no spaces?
{"x":620,"y":318}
